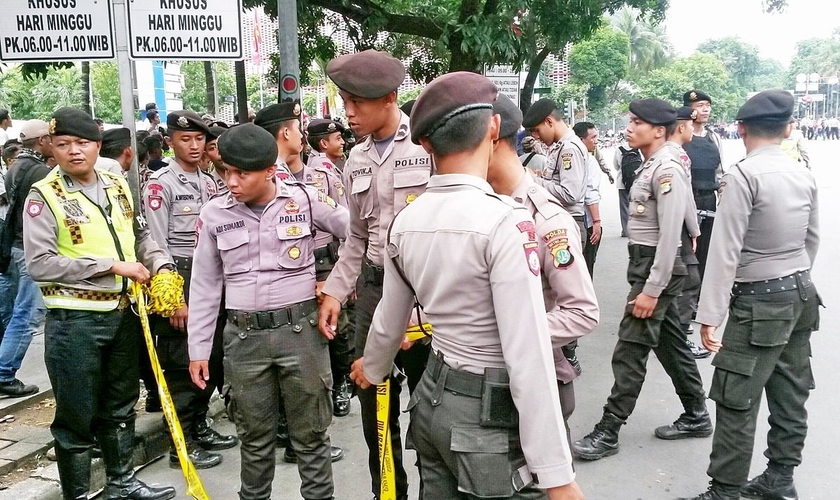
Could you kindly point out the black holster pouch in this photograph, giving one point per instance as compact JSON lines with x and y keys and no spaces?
{"x":497,"y":407}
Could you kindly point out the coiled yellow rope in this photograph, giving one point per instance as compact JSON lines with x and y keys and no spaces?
{"x":166,"y":294}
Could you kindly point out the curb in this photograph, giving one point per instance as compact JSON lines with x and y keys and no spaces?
{"x":151,"y":443}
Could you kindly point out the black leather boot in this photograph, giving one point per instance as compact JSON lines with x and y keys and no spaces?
{"x":200,"y":458}
{"x":283,"y":440}
{"x":570,"y":352}
{"x":342,"y":393}
{"x":289,"y":456}
{"x":775,"y":483}
{"x":693,"y":423}
{"x":717,"y":491}
{"x":118,"y":454}
{"x":206,"y":437}
{"x":74,"y":472}
{"x":602,"y":441}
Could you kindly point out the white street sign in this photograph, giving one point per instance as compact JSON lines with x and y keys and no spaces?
{"x":185,"y":29}
{"x":56,"y":30}
{"x":506,"y":80}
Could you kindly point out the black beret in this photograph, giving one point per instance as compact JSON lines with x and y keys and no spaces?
{"x":538,"y":112}
{"x":448,"y":96}
{"x":408,"y":106}
{"x":248,"y":147}
{"x":369,"y":74}
{"x":75,"y":122}
{"x":654,"y":111}
{"x":116,"y":137}
{"x":693,"y":96}
{"x":510,"y":114}
{"x":215,"y":132}
{"x":185,"y":121}
{"x":686,"y":113}
{"x":277,"y":113}
{"x":769,"y":106}
{"x":322,"y":126}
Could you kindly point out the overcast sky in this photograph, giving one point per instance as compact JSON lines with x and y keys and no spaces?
{"x":691,"y":22}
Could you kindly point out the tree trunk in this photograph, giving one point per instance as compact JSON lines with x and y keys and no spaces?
{"x":241,"y":91}
{"x":527,"y":94}
{"x":86,"y":87}
{"x":211,"y":87}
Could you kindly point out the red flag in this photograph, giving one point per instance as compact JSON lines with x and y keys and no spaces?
{"x":256,"y":58}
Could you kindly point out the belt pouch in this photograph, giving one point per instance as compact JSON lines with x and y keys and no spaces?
{"x":497,"y":407}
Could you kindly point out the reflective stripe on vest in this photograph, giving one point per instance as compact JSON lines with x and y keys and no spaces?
{"x":84,"y":230}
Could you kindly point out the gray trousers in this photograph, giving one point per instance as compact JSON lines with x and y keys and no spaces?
{"x":766,"y":348}
{"x":261,"y":363}
{"x":459,"y":459}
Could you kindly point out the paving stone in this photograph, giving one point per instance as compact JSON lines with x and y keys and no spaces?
{"x":4,"y":443}
{"x":22,"y":451}
{"x":20,"y":432}
{"x":6,"y":466}
{"x":39,"y":435}
{"x":32,"y":489}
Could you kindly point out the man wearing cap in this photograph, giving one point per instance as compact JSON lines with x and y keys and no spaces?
{"x":567,"y":287}
{"x":706,"y":169}
{"x":116,"y":146}
{"x":384,"y":173}
{"x":655,"y":273}
{"x":761,"y":278}
{"x":487,"y":356}
{"x":84,"y":246}
{"x":587,"y":132}
{"x":687,"y":301}
{"x":215,"y":165}
{"x":260,"y":239}
{"x":282,"y":120}
{"x":326,"y":137}
{"x":567,"y":179}
{"x":28,"y":310}
{"x":173,"y":198}
{"x":532,"y":158}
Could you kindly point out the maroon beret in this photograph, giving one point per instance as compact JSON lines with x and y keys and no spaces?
{"x":448,"y":96}
{"x":369,"y":74}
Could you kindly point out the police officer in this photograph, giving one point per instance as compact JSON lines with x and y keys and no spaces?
{"x":325,"y":138}
{"x":567,"y":287}
{"x":84,"y":247}
{"x":656,"y":273}
{"x":214,"y":159}
{"x":384,"y":173}
{"x":487,"y":355}
{"x":762,"y":279}
{"x":687,"y":301}
{"x":260,"y":240}
{"x":173,"y":197}
{"x":567,"y":180}
{"x":282,"y":121}
{"x":706,"y":168}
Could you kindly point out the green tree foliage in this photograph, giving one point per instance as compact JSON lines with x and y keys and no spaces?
{"x":105,"y":80}
{"x":650,"y":47}
{"x":816,"y":55}
{"x":269,"y":94}
{"x":195,"y":84}
{"x":39,"y":97}
{"x":740,"y":59}
{"x":600,"y":63}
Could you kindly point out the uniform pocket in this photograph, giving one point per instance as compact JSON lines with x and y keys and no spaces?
{"x":732,"y":381}
{"x":297,"y":248}
{"x":408,"y":185}
{"x":772,"y":323}
{"x":325,"y":405}
{"x":233,"y":247}
{"x":484,"y":469}
{"x":184,"y":217}
{"x":363,"y":195}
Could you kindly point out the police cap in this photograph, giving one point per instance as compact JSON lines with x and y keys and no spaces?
{"x":654,"y":111}
{"x":448,"y":96}
{"x":686,"y":113}
{"x":510,"y":114}
{"x":277,"y":113}
{"x":693,"y":96}
{"x":408,"y":106}
{"x":768,"y":106}
{"x":322,"y":126}
{"x":538,"y":112}
{"x":185,"y":121}
{"x":248,"y":147}
{"x":215,"y":132}
{"x":75,"y":122}
{"x":369,"y":74}
{"x":116,"y":137}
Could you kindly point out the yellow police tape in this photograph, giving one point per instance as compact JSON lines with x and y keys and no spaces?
{"x":388,"y":484}
{"x":166,"y":303}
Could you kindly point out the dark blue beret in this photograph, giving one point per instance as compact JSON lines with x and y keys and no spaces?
{"x":770,"y":106}
{"x":654,"y":111}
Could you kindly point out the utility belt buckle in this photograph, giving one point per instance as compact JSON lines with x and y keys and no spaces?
{"x":497,"y":406}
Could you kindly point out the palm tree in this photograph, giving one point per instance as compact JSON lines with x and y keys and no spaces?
{"x":650,"y":47}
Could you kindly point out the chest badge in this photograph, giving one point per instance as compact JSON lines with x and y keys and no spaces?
{"x":291,"y":207}
{"x":187,"y":209}
{"x":294,"y":253}
{"x":294,"y":231}
{"x":411,"y":197}
{"x":640,"y":209}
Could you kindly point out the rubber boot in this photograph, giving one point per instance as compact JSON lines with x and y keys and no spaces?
{"x":602,"y":441}
{"x":775,"y":483}
{"x":693,"y":423}
{"x":717,"y":491}
{"x":74,"y":472}
{"x":118,"y":454}
{"x":207,"y":437}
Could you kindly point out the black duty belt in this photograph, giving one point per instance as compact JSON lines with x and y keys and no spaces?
{"x":706,"y":213}
{"x":372,"y":273}
{"x":639,"y":251}
{"x":275,"y":318}
{"x":579,"y":218}
{"x":467,"y":384}
{"x":794,"y":281}
{"x":183,"y":263}
{"x":703,"y":192}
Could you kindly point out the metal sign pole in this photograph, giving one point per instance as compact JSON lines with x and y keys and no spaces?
{"x":288,"y":44}
{"x":127,"y":95}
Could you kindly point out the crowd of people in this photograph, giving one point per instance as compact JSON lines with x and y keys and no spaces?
{"x":305,"y":260}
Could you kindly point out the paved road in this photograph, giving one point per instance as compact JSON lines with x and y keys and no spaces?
{"x":646,"y":468}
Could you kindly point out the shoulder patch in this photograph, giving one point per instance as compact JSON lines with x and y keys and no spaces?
{"x":664,"y":181}
{"x":528,"y":228}
{"x":155,"y":188}
{"x":323,"y":198}
{"x":558,"y":245}
{"x":532,"y":256}
{"x":34,"y":208}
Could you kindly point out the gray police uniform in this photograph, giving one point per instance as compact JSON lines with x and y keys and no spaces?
{"x":271,"y":341}
{"x":567,"y":181}
{"x":464,"y":449}
{"x":657,"y":209}
{"x":764,"y":243}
